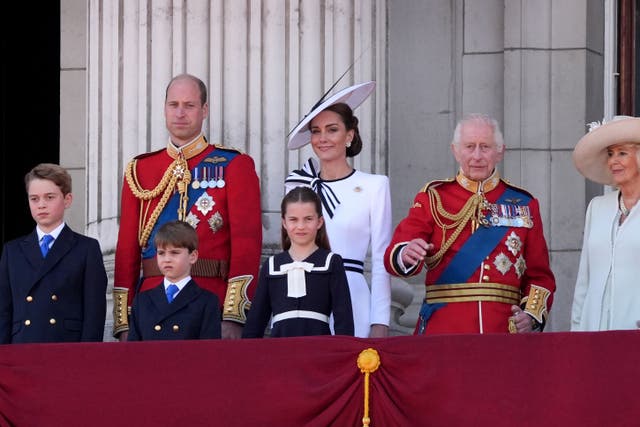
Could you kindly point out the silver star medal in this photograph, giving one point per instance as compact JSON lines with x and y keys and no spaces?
{"x":205,"y":203}
{"x":520,"y":266}
{"x":192,"y":220}
{"x":502,"y":263}
{"x":215,"y":222}
{"x":513,"y":243}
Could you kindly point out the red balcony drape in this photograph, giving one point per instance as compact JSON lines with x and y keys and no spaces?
{"x":549,"y":379}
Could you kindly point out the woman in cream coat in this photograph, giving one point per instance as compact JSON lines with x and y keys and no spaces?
{"x":607,"y":293}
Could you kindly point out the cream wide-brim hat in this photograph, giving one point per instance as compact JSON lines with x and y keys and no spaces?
{"x":353,"y":96}
{"x":590,"y":153}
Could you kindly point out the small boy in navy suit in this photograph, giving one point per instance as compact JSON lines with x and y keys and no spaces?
{"x":52,"y":281}
{"x":176,"y":309}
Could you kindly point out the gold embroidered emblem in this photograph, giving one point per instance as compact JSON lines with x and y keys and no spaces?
{"x":215,"y":159}
{"x":192,"y":220}
{"x":417,"y":205}
{"x":502,"y":263}
{"x":520,"y":266}
{"x":215,"y":222}
{"x":205,"y":203}
{"x":513,"y":243}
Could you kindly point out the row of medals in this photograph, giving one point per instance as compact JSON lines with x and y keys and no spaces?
{"x":506,"y":215}
{"x":216,"y":178}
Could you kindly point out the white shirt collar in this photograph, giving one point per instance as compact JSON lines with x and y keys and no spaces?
{"x":180,"y":284}
{"x":54,"y":233}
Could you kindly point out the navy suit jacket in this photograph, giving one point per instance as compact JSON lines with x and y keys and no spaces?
{"x":193,"y":314}
{"x":60,"y":298}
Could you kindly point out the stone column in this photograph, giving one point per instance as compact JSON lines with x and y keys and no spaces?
{"x":265,"y":62}
{"x":553,"y":87}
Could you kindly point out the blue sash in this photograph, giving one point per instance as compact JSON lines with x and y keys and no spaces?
{"x":478,"y":245}
{"x":473,"y":252}
{"x":170,"y":211}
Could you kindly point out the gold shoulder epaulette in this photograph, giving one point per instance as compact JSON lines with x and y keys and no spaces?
{"x":224,"y":147}
{"x":435,"y":183}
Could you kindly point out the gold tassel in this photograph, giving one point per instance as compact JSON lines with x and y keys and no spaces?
{"x":368,"y":362}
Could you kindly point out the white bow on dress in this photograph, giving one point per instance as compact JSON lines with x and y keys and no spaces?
{"x":296,"y":283}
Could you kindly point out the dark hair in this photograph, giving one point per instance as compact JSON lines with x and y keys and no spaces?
{"x":200,"y":83}
{"x":351,"y":123}
{"x":304,"y":195}
{"x":51,"y":172}
{"x":178,"y":234}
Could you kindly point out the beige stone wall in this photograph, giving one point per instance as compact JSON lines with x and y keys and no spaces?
{"x":536,"y":66}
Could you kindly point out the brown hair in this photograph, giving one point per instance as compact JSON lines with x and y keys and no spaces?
{"x":178,"y":234}
{"x":304,"y":195}
{"x":51,"y":172}
{"x":351,"y":123}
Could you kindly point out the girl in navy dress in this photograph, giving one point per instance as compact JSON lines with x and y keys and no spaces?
{"x":301,"y":287}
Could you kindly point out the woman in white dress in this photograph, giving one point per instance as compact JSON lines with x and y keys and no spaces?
{"x":356,"y":205}
{"x":607,"y":293}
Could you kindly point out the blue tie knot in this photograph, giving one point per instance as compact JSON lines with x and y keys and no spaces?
{"x":172,"y":290}
{"x":44,"y":244}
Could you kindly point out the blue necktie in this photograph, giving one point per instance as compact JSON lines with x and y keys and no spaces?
{"x":171,"y":290}
{"x":44,"y":244}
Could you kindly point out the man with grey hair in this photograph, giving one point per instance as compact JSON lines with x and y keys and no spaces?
{"x":481,"y":240}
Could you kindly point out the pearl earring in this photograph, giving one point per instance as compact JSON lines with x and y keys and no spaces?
{"x":348,"y":144}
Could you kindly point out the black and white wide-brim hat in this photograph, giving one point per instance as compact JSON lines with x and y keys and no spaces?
{"x":590,"y":153}
{"x":353,"y":96}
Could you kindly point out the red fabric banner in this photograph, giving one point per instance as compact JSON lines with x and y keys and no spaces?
{"x":549,"y":379}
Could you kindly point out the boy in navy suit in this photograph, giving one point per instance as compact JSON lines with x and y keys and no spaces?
{"x":176,"y":309}
{"x":52,"y":281}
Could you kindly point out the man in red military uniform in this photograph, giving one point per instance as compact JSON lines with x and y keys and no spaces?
{"x":482,"y":242}
{"x":213,"y":188}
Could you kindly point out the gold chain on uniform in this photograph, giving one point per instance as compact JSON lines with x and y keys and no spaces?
{"x":177,"y":175}
{"x":472,"y":210}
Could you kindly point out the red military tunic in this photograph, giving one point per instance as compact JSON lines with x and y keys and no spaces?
{"x":514,"y":269}
{"x":225,"y":215}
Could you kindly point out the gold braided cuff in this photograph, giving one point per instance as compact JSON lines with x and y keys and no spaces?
{"x":120,"y":311}
{"x":536,"y":303}
{"x":236,"y":302}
